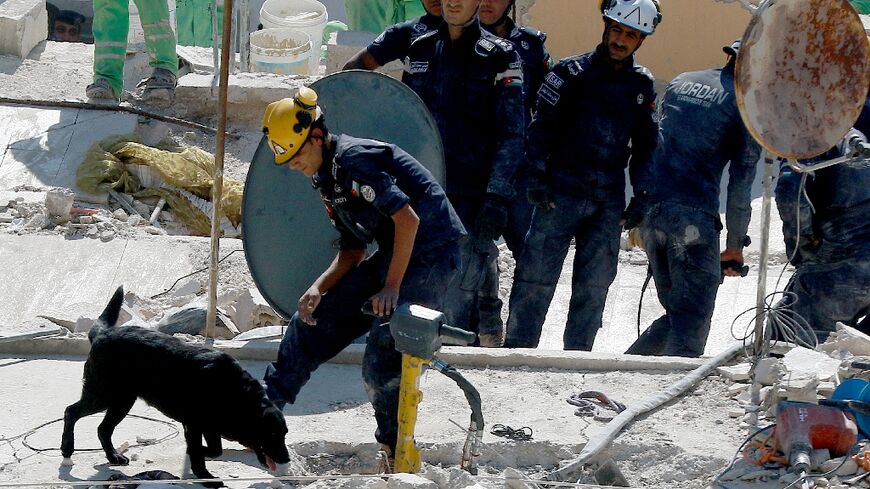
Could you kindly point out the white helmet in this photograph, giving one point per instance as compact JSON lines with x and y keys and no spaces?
{"x":643,"y":15}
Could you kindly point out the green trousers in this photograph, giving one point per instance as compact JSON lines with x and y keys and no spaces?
{"x":193,"y":19}
{"x":862,"y":6}
{"x":111,"y":24}
{"x":377,"y":15}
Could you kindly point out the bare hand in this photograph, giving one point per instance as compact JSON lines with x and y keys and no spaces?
{"x":308,"y":303}
{"x":732,"y":254}
{"x":385,"y":301}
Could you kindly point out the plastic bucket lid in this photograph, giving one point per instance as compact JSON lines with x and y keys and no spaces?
{"x":855,"y":390}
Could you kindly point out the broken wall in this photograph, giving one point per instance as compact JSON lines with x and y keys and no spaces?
{"x":690,"y":36}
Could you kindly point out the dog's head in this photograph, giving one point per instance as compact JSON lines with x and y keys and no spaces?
{"x":267,"y":436}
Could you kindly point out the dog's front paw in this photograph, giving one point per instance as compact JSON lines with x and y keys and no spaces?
{"x":118,"y":459}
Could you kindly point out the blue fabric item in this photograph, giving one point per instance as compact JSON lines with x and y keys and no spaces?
{"x":587,"y":112}
{"x":832,"y":279}
{"x":700,"y":132}
{"x":362,"y":183}
{"x":394,"y":42}
{"x":365,"y":182}
{"x":682,"y":244}
{"x":473,"y":88}
{"x":595,"y":227}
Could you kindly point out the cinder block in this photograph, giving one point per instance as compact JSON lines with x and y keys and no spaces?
{"x":23,"y":25}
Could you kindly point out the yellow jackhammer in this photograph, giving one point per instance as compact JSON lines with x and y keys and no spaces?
{"x":418,"y":332}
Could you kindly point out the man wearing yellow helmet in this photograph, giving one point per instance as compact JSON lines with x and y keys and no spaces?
{"x":373,"y":192}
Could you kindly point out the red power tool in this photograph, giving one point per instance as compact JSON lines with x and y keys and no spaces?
{"x":803,"y":427}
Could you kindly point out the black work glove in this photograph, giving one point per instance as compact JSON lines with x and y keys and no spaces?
{"x":492,"y":217}
{"x":635,"y":212}
{"x":537,"y":191}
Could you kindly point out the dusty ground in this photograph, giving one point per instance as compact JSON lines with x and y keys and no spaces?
{"x":680,"y":446}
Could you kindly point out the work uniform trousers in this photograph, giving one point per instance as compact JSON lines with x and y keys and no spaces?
{"x":111,"y":24}
{"x":595,"y":227}
{"x":682,"y":244}
{"x":339,"y":322}
{"x":827,"y":293}
{"x":461,"y":307}
{"x":519,"y":218}
{"x":193,"y":22}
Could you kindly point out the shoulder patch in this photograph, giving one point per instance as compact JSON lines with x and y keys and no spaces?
{"x":504,"y":44}
{"x":420,"y":27}
{"x":642,"y":70}
{"x":534,"y":32}
{"x":549,"y":95}
{"x":554,"y":80}
{"x":573,"y":65}
{"x":486,"y":44}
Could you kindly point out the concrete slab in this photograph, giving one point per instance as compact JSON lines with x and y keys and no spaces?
{"x":54,"y":276}
{"x":23,"y":25}
{"x":248,"y":94}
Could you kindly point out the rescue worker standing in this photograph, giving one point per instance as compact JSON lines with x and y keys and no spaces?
{"x":701,"y":131}
{"x":589,"y":108}
{"x":472,"y":83}
{"x":830,"y":247}
{"x":529,"y":44}
{"x":373,"y":192}
{"x":375,"y":15}
{"x":394,"y":42}
{"x":110,"y":26}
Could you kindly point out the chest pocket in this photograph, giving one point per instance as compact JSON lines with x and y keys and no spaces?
{"x":360,"y":217}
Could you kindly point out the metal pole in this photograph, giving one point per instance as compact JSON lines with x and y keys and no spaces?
{"x":217,"y":188}
{"x":244,"y":35}
{"x":215,"y":55}
{"x":758,"y":346}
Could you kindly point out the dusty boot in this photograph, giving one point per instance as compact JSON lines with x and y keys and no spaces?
{"x":160,"y":87}
{"x":491,"y":340}
{"x":100,"y":89}
{"x":386,"y":460}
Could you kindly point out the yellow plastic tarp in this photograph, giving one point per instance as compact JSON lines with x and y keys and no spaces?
{"x":182,"y":168}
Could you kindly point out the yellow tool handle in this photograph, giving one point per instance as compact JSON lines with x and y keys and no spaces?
{"x":407,"y":454}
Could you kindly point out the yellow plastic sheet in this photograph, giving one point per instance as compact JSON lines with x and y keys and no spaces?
{"x":182,"y":168}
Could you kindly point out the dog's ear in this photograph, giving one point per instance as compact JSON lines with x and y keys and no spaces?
{"x":110,"y":314}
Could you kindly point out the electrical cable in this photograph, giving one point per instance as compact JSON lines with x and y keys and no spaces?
{"x":736,"y":456}
{"x":519,"y":434}
{"x":189,"y":274}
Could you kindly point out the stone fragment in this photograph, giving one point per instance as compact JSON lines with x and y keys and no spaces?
{"x":803,"y":362}
{"x":736,"y":373}
{"x":58,"y":202}
{"x":768,"y":371}
{"x":23,"y":25}
{"x":120,"y":215}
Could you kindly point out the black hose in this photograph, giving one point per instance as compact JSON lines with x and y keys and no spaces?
{"x":469,"y":390}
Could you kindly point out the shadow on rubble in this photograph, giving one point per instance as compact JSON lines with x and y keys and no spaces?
{"x":37,"y":146}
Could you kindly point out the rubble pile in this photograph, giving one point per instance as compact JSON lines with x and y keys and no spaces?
{"x":811,"y":383}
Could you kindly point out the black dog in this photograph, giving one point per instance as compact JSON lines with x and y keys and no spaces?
{"x":207,"y":391}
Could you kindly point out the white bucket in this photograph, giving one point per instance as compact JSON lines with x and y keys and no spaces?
{"x":136,"y":35}
{"x":308,"y":16}
{"x":281,"y":51}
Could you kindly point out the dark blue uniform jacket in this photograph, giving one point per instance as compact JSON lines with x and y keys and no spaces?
{"x":394,"y":42}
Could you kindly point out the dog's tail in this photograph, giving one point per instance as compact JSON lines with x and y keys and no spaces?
{"x":110,"y":314}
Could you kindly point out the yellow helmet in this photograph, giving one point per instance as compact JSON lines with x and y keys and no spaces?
{"x":288,"y":121}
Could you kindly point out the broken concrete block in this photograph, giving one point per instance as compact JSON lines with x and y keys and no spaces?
{"x":736,"y":373}
{"x":735,"y":390}
{"x":193,"y":286}
{"x":608,"y":474}
{"x":146,"y":309}
{"x":250,"y":310}
{"x":801,"y":389}
{"x":23,"y":25}
{"x":191,"y":319}
{"x":768,"y":371}
{"x":135,"y":220}
{"x":849,"y":467}
{"x":803,"y":362}
{"x":58,"y":202}
{"x":262,"y":333}
{"x":409,"y":481}
{"x":83,"y":325}
{"x":848,"y":339}
{"x":120,"y":215}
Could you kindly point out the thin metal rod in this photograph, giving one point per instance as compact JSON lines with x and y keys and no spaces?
{"x":217,"y":189}
{"x":215,"y":55}
{"x":65,"y":104}
{"x":759,"y":348}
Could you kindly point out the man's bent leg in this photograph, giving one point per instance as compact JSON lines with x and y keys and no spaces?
{"x":110,"y":26}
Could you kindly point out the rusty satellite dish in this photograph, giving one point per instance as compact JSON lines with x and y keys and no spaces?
{"x":803,"y":71}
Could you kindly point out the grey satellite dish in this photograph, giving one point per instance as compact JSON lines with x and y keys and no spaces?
{"x":803,"y":70}
{"x":287,"y":237}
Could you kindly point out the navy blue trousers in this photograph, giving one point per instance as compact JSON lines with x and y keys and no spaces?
{"x":339,"y":322}
{"x":595,"y":227}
